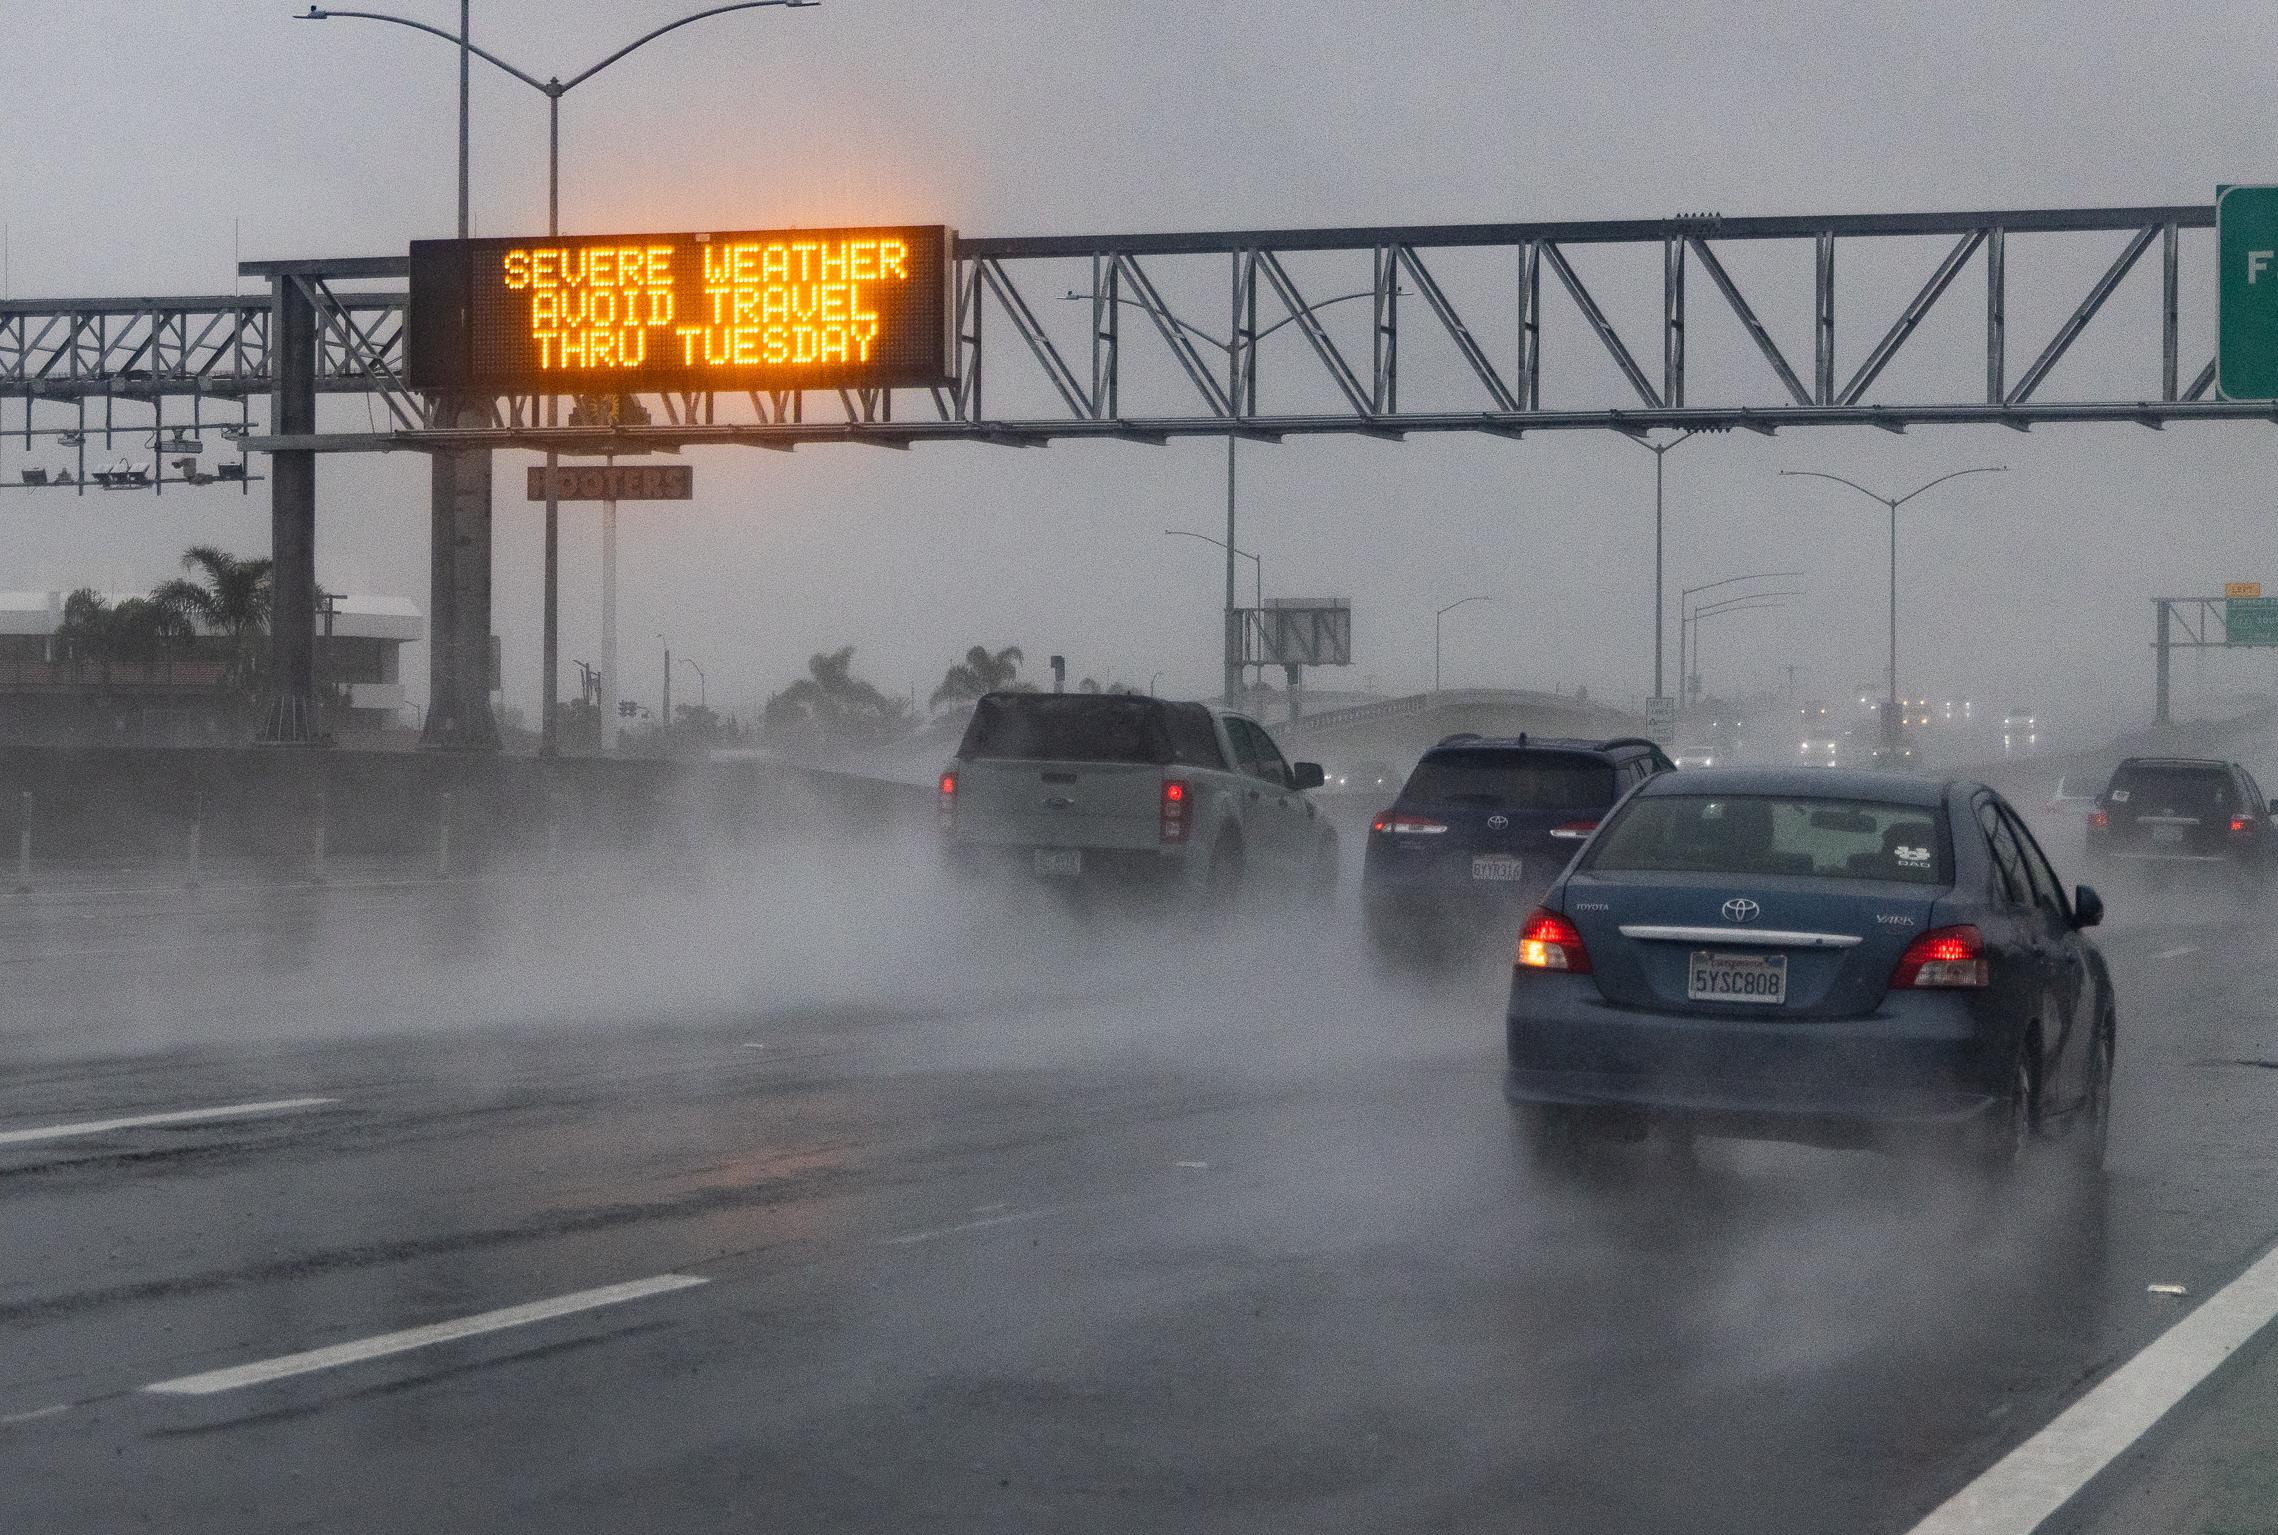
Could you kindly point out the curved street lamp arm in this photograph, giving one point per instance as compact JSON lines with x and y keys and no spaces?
{"x":315,"y":14}
{"x":1742,"y":606}
{"x":1216,"y":543}
{"x":1761,"y":575}
{"x":1814,"y":474}
{"x":1730,"y":604}
{"x":1460,"y":601}
{"x":573,"y":81}
{"x":1957,"y":474}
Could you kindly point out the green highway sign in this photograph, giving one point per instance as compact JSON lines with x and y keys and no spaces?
{"x":2250,"y":621}
{"x":2246,"y":293}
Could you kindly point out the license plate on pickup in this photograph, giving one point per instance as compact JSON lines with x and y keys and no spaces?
{"x":1496,"y":866}
{"x":1758,"y":978}
{"x":1060,"y":862}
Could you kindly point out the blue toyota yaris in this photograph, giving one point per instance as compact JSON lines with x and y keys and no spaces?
{"x":1835,"y":957}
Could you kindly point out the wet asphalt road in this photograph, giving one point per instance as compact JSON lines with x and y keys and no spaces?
{"x":1007,"y":1222}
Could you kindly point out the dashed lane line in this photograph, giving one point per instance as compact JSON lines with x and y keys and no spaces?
{"x":287,"y":1365}
{"x":2034,"y":1480}
{"x":175,"y":1117}
{"x":908,"y":1237}
{"x":2177,"y":952}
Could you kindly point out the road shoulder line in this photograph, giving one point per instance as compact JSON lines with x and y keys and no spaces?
{"x":2034,"y":1480}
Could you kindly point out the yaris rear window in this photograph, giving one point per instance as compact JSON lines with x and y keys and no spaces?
{"x":1760,"y":835}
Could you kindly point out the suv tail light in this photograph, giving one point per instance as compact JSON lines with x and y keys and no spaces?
{"x":1397,"y":825}
{"x":2100,"y":819}
{"x":945,"y":807}
{"x":1178,"y":803}
{"x":1550,"y":942}
{"x":1574,"y":831}
{"x":1944,"y":956}
{"x":2243,"y":826}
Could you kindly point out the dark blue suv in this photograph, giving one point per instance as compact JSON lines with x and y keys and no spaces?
{"x":1482,"y":827}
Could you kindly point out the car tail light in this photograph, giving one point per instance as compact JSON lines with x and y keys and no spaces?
{"x":2242,"y":826}
{"x":1574,"y":831}
{"x":2099,"y":819}
{"x":945,"y":807}
{"x":1395,"y":825}
{"x":1178,"y":802}
{"x":1550,"y":942}
{"x":1944,"y":956}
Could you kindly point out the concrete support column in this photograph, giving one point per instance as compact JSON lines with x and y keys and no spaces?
{"x":293,"y":716}
{"x":458,"y":618}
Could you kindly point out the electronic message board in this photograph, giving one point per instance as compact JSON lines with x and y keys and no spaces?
{"x":620,"y":314}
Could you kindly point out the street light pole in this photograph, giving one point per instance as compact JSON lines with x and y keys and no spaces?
{"x":1660,"y":450}
{"x":1684,"y":599}
{"x":703,"y":685}
{"x":554,"y":88}
{"x":1232,"y":638}
{"x":1893,"y":503}
{"x":1751,"y":602}
{"x":1436,"y":617}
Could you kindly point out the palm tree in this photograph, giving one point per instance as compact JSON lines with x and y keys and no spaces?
{"x":830,"y":707}
{"x":982,"y":671}
{"x":232,"y":602}
{"x":134,"y":631}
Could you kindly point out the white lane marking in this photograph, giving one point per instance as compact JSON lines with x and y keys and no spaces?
{"x":2032,"y":1481}
{"x":749,"y":1046}
{"x":2177,"y":952}
{"x":908,"y":1237}
{"x":1195,"y":1166}
{"x":411,"y":1338}
{"x":177,"y":1117}
{"x":34,"y":1415}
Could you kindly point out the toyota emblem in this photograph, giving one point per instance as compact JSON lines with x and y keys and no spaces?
{"x":1498,"y":822}
{"x":1741,"y":909}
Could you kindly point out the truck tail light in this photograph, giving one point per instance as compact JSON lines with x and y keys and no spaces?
{"x":1178,"y":804}
{"x":945,"y":807}
{"x":1943,"y":957}
{"x":1550,"y":942}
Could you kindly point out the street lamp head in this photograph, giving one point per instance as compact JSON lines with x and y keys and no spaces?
{"x":313,"y":14}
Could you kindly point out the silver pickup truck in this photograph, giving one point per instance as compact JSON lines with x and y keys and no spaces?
{"x":1118,"y":788}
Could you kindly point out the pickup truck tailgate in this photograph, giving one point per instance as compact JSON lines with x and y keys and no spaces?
{"x":1059,"y":804}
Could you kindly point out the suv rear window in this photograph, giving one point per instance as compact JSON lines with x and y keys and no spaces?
{"x":1067,"y":727}
{"x":2171,"y":788}
{"x":1512,"y":780}
{"x":1761,"y":834}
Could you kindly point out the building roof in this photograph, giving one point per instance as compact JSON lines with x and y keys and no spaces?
{"x":355,"y":616}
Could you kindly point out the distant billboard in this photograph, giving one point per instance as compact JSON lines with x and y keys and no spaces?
{"x":624,"y":314}
{"x":1299,"y":631}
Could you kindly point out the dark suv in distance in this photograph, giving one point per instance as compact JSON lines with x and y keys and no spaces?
{"x":1481,"y":828}
{"x":2183,"y":815}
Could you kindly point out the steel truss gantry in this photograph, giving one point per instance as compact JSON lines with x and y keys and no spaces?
{"x":1031,"y":368}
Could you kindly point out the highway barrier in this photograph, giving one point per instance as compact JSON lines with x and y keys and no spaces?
{"x":303,"y":810}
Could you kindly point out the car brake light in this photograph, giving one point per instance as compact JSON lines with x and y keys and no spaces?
{"x":1176,"y":803}
{"x":945,"y":808}
{"x":1407,"y":825}
{"x":2099,"y":819}
{"x":1550,"y":942}
{"x":1944,"y":956}
{"x":2242,"y":825}
{"x":1574,"y":831}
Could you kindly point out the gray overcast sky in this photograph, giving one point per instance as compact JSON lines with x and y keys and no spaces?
{"x":138,"y":130}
